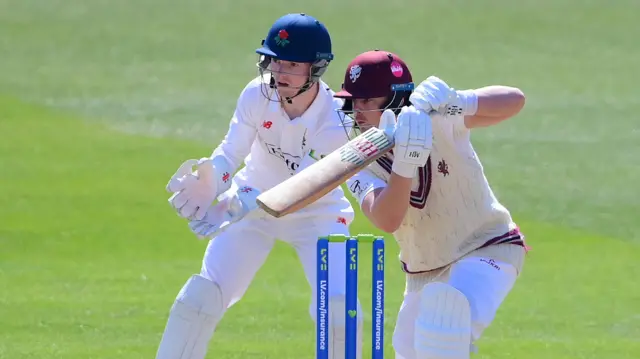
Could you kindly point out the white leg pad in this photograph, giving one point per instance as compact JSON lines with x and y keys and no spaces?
{"x":443,"y":327}
{"x":337,"y":328}
{"x":192,"y":320}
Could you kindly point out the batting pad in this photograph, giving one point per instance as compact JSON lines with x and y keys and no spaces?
{"x":192,"y":320}
{"x":337,"y":328}
{"x":443,"y":327}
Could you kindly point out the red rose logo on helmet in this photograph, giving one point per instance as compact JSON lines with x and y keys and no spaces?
{"x":396,"y":69}
{"x":282,"y":37}
{"x":354,"y":72}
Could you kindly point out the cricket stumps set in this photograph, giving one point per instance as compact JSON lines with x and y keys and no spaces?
{"x":351,"y":305}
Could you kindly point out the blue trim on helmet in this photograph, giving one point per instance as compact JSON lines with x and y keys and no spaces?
{"x":403,"y":87}
{"x":265,"y":51}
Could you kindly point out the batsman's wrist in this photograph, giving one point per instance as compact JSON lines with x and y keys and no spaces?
{"x":469,"y":100}
{"x":403,"y":169}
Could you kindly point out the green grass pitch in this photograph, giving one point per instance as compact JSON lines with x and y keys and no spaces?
{"x":100,"y":101}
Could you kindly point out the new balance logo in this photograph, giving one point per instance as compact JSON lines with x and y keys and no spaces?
{"x":454,"y":110}
{"x":414,"y":154}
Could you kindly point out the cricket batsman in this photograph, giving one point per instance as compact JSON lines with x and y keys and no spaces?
{"x":459,"y":247}
{"x":283,"y":118}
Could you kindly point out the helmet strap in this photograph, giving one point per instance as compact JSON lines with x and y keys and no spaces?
{"x":307,"y":85}
{"x":315,"y":72}
{"x":397,"y":100}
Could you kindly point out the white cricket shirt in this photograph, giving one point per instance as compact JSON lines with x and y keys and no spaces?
{"x":273,"y":146}
{"x":453,"y":209}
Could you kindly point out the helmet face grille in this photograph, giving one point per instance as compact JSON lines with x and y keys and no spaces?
{"x":268,"y":87}
{"x":348,"y":115}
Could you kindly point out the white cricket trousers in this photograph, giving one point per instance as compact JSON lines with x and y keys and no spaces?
{"x":233,"y":258}
{"x":485,"y":282}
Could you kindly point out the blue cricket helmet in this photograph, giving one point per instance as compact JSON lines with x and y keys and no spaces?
{"x":297,"y":38}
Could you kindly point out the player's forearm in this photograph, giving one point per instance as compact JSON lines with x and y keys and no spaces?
{"x":387,"y":207}
{"x":235,"y":146}
{"x":224,"y":162}
{"x":495,"y":104}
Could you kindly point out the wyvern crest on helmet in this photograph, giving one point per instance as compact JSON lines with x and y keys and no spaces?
{"x":354,"y":72}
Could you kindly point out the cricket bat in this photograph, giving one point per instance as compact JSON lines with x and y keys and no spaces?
{"x":323,"y":176}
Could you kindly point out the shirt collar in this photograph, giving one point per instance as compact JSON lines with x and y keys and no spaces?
{"x":319,"y":104}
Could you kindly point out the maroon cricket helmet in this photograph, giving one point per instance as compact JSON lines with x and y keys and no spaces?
{"x":375,"y":73}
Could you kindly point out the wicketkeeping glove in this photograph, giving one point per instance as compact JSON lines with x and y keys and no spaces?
{"x":228,"y":211}
{"x":195,"y":191}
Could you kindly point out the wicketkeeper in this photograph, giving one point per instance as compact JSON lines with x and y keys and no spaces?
{"x":281,"y":117}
